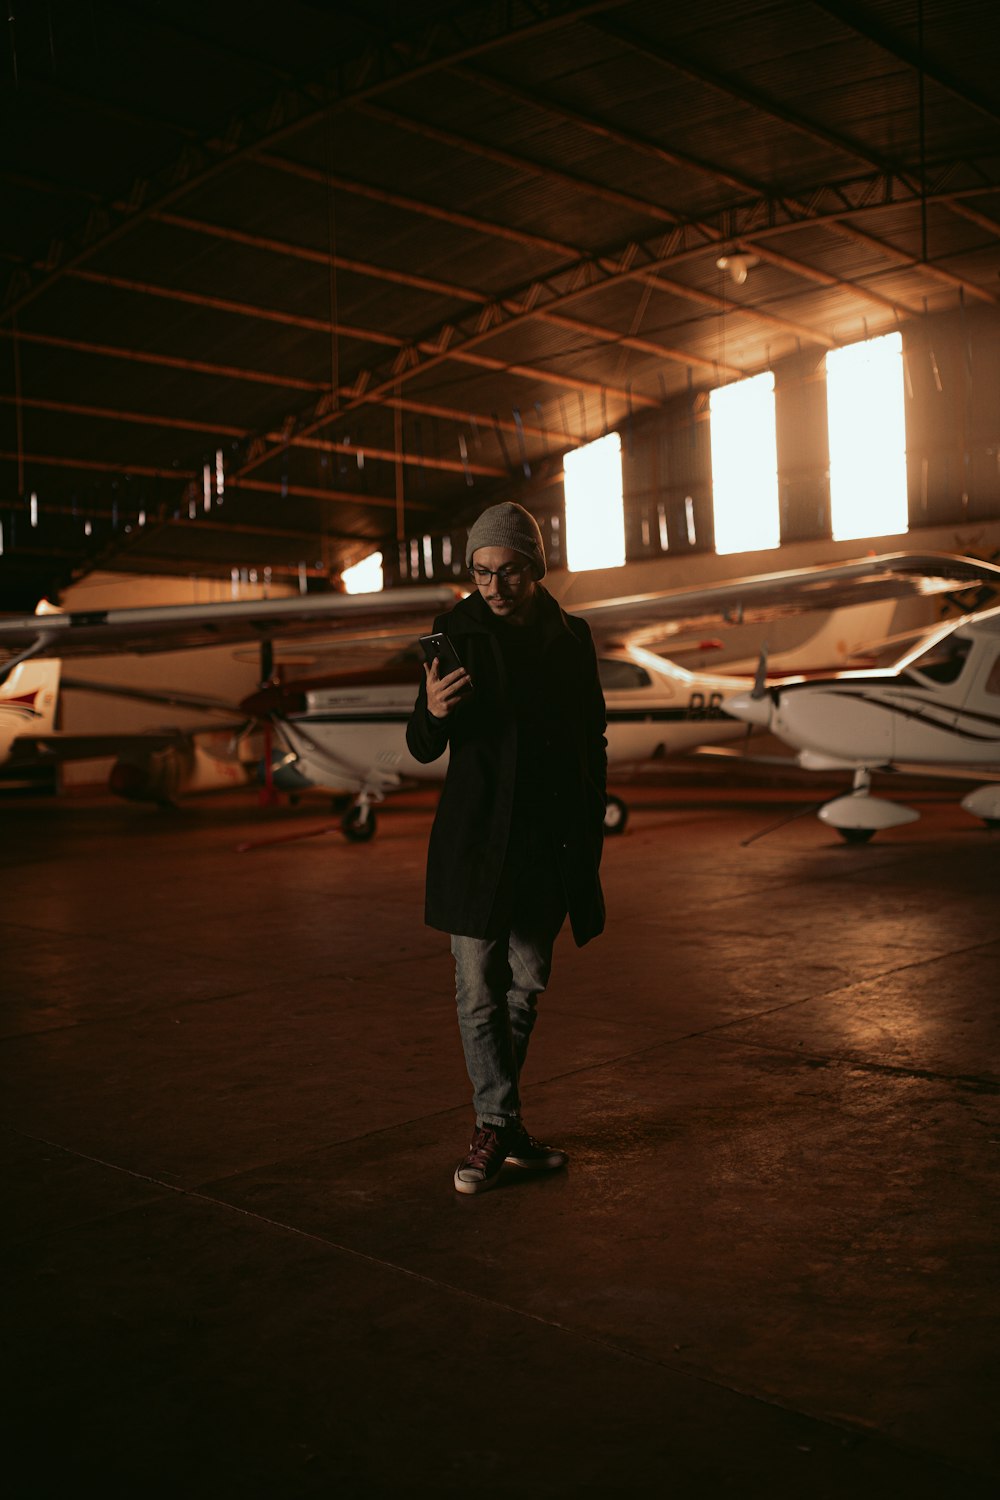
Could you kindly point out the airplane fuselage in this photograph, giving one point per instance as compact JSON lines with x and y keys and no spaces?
{"x":939,"y":706}
{"x":879,"y":723}
{"x":348,"y":733}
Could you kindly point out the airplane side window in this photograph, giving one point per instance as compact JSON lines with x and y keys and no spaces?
{"x":993,"y":680}
{"x":621,"y":676}
{"x":943,"y":663}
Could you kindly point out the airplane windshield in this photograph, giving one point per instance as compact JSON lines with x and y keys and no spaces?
{"x":620,"y":676}
{"x":943,"y":662}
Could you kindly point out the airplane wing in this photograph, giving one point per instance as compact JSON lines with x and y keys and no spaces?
{"x":30,"y":749}
{"x":182,"y":627}
{"x":166,"y":697}
{"x":645,"y":619}
{"x":642,"y":619}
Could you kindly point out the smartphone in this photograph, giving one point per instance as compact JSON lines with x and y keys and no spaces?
{"x":441,"y":647}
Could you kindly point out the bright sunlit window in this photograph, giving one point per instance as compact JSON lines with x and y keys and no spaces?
{"x":366,"y":576}
{"x":864,"y":403}
{"x":595,"y":510}
{"x":745,"y":465}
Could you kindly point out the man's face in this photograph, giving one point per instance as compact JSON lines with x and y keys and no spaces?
{"x":505,"y":579}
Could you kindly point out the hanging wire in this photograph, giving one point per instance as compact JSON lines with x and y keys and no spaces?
{"x":18,"y":407}
{"x":331,"y":247}
{"x":722,"y":321}
{"x":397,"y":437}
{"x":13,"y":42}
{"x":463,"y":449}
{"x":522,"y":449}
{"x":540,"y":415}
{"x":922,"y":125}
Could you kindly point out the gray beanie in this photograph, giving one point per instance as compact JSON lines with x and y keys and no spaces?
{"x":507,"y":525}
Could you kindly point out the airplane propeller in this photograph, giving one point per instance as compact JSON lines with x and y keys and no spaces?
{"x":753,"y":698}
{"x":754,"y":707}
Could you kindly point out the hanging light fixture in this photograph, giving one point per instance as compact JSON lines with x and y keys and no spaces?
{"x":738,"y":265}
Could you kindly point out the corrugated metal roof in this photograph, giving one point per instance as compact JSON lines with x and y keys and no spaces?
{"x":228,"y":253}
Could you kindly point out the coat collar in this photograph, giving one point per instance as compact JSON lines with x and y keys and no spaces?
{"x":472,"y":616}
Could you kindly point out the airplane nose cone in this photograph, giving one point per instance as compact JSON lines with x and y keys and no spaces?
{"x":750,"y":709}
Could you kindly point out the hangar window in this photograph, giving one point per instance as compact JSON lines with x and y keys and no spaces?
{"x":595,"y":510}
{"x":867,"y":428}
{"x":366,"y":576}
{"x":745,"y":465}
{"x":622,"y":676}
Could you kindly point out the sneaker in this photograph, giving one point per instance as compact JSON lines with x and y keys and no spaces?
{"x":524,"y":1151}
{"x":481,"y":1167}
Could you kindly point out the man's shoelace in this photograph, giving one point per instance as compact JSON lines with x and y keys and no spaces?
{"x":483,"y":1149}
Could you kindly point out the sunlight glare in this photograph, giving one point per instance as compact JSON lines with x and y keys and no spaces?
{"x":366,"y":576}
{"x":865,"y":414}
{"x":595,"y":509}
{"x":745,"y":465}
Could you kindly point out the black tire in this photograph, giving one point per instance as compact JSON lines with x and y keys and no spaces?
{"x":358,"y":824}
{"x":615,"y":816}
{"x":856,"y":835}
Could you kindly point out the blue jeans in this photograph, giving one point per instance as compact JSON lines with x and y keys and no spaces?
{"x":497,"y":984}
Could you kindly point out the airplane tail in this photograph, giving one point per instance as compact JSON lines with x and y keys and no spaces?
{"x":28,"y":701}
{"x":845,"y":636}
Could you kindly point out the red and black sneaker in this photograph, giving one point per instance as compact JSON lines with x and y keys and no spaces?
{"x":481,"y":1167}
{"x":524,"y":1151}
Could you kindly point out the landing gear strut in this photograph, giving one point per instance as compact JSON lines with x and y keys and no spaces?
{"x":358,"y":822}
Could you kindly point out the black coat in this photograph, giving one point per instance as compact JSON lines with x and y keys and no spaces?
{"x":469,"y":839}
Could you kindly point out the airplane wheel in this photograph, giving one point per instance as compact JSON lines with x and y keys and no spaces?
{"x":358,"y":824}
{"x":855,"y":835}
{"x":615,"y":816}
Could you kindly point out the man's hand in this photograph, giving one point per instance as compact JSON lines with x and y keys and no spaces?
{"x":445,"y":693}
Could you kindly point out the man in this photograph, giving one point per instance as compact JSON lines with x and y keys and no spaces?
{"x":516,"y":843}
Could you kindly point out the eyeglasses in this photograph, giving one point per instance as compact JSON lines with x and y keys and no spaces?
{"x":510,"y":573}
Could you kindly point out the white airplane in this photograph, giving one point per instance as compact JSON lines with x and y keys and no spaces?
{"x":154,"y":765}
{"x":937,"y":709}
{"x":345,"y":731}
{"x":160,"y":765}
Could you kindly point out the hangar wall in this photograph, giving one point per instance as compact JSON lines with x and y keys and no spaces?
{"x":952,"y":376}
{"x":951,"y":367}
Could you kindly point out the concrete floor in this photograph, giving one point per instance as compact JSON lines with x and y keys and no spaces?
{"x":235,"y":1098}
